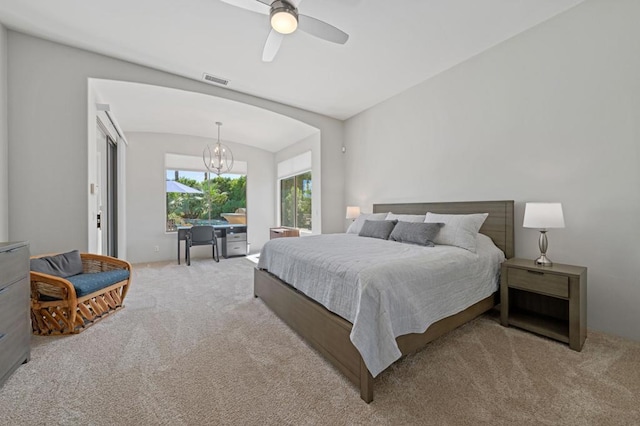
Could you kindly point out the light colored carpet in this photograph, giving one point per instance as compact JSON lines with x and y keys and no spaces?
{"x":194,"y":347}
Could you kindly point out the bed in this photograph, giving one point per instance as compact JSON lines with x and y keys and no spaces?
{"x":331,"y":333}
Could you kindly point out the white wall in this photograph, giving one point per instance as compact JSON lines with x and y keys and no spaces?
{"x":550,"y":115}
{"x":4,"y":140}
{"x":48,"y":151}
{"x":311,"y":143}
{"x":146,"y":202}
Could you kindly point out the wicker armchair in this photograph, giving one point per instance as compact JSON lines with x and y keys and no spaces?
{"x":63,"y":306}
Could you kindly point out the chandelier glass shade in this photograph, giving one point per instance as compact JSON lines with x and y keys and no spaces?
{"x":218,"y":158}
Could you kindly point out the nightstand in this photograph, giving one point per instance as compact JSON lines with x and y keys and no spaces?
{"x":547,"y":300}
{"x":283,"y":232}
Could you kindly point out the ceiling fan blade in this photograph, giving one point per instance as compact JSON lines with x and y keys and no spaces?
{"x":321,"y":29}
{"x":253,"y":5}
{"x":272,"y":45}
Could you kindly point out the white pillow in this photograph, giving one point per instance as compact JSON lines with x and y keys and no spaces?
{"x":356,"y":226}
{"x":413,"y":218}
{"x":459,"y":230}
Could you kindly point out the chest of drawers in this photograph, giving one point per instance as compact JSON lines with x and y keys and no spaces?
{"x":15,"y":328}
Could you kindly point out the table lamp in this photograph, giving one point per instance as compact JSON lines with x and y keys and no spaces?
{"x":353,"y":212}
{"x":543,"y":216}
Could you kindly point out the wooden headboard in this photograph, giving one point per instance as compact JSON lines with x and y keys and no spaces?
{"x":498,"y":226}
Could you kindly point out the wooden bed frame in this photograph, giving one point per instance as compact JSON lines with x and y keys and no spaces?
{"x":329,"y":333}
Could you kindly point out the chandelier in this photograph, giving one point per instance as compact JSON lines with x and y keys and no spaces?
{"x":219,"y":158}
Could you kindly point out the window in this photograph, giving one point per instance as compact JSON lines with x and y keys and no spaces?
{"x":295,"y":201}
{"x":195,"y":199}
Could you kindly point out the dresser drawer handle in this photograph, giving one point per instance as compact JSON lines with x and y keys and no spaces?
{"x":535,"y":272}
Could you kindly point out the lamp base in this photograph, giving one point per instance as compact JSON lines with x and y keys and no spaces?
{"x":543,"y":260}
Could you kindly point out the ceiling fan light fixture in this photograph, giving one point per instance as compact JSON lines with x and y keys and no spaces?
{"x":284,"y":17}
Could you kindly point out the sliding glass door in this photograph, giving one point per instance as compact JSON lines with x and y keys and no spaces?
{"x":295,"y":201}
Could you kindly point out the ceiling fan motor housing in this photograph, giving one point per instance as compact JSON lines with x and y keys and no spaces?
{"x":284,"y":17}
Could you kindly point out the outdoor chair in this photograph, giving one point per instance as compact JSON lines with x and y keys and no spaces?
{"x":201,"y":236}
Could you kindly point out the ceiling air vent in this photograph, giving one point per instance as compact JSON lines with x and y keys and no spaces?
{"x":213,"y":79}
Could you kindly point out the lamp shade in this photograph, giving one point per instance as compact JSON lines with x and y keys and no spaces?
{"x":543,"y":215}
{"x":353,"y":212}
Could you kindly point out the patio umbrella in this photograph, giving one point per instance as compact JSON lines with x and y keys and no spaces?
{"x":180,"y":188}
{"x":174,"y":186}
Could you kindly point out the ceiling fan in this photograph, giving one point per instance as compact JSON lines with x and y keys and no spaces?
{"x":285,"y":19}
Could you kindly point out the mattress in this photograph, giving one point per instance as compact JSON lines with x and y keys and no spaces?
{"x":384,"y":288}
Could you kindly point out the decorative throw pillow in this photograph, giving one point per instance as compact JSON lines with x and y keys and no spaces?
{"x":459,"y":230}
{"x":415,"y":233}
{"x":356,"y":226}
{"x":417,"y":218}
{"x":377,"y":228}
{"x":61,"y":265}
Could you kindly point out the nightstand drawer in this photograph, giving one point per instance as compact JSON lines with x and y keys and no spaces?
{"x":539,"y":282}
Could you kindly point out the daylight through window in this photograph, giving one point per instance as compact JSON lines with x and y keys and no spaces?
{"x":193,"y":198}
{"x":295,"y":201}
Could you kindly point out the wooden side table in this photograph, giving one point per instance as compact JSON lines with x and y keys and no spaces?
{"x":547,"y":300}
{"x":282,"y":232}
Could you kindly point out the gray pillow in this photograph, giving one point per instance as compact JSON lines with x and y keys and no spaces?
{"x":459,"y":230}
{"x":356,"y":226}
{"x":377,"y":228}
{"x":61,"y":265}
{"x":415,"y":233}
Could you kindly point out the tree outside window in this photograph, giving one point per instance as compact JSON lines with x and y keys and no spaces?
{"x":220,"y":194}
{"x":295,"y":201}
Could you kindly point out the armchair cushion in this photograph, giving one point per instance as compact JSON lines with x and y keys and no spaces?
{"x":88,"y":283}
{"x":61,"y":265}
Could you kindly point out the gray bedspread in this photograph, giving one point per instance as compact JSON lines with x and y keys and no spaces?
{"x":384,"y":288}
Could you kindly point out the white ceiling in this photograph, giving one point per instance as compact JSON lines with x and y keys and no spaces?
{"x":390,"y":49}
{"x":393,"y":45}
{"x":146,"y":108}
